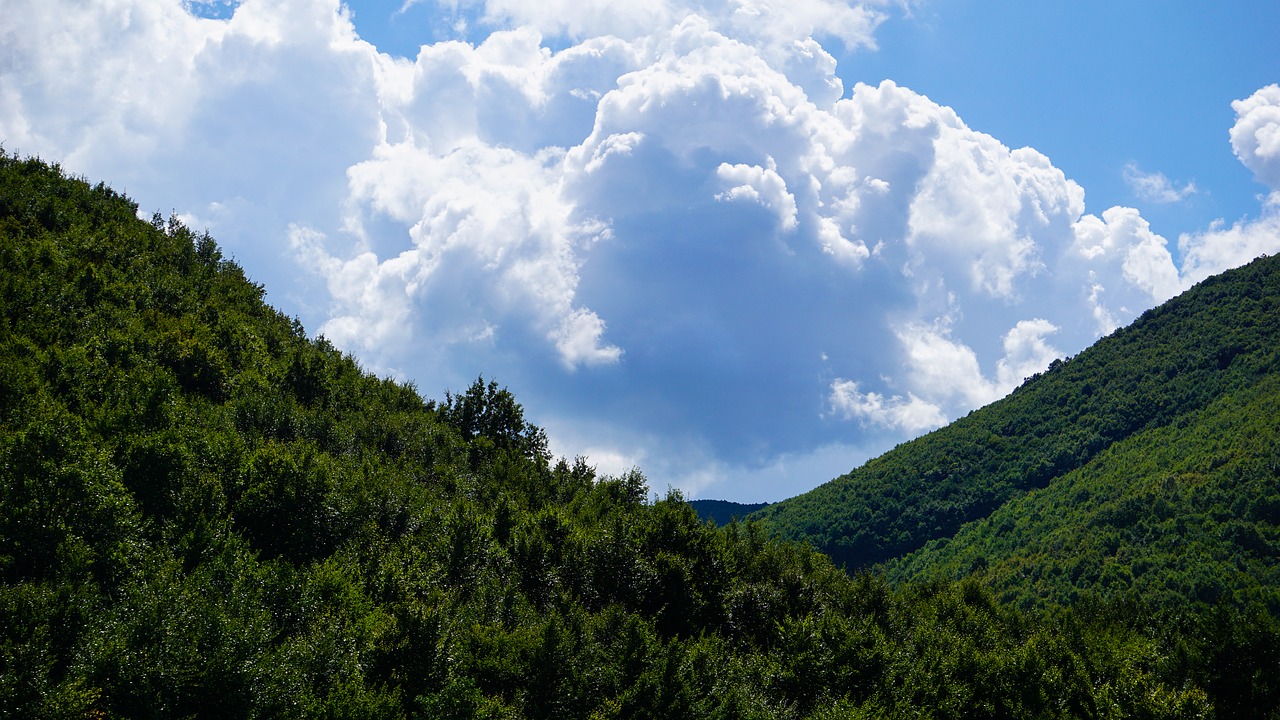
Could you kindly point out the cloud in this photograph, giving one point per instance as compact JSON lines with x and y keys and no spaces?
{"x":910,"y":413}
{"x":1126,"y":258}
{"x":753,"y":183}
{"x":1255,"y":137}
{"x":1026,"y":353}
{"x":492,"y":242}
{"x":947,"y":372}
{"x":712,"y":225}
{"x":666,"y":226}
{"x":1155,"y":187}
{"x":946,"y":369}
{"x":1221,"y":247}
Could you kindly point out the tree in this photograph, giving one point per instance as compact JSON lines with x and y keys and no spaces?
{"x":489,"y":412}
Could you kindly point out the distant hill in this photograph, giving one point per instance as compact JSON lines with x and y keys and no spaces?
{"x":1172,"y":374}
{"x":722,"y":512}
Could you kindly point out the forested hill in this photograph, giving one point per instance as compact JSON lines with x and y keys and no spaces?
{"x":722,"y":512}
{"x":1177,"y":514}
{"x":204,"y":513}
{"x":1166,"y":370}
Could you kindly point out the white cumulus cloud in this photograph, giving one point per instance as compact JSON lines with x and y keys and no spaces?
{"x":1222,"y":247}
{"x":909,"y":413}
{"x":1126,"y":260}
{"x":762,"y":185}
{"x":1256,"y":135}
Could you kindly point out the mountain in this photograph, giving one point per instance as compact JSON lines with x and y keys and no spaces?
{"x":1173,"y":368}
{"x":205,"y":513}
{"x":722,"y":512}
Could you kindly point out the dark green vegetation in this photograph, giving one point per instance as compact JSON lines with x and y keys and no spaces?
{"x":204,"y":513}
{"x":722,"y":512}
{"x":1189,"y":510}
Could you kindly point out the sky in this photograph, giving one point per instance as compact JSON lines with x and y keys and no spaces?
{"x":741,"y":245}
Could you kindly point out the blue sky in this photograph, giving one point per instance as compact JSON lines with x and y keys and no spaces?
{"x":743,"y":245}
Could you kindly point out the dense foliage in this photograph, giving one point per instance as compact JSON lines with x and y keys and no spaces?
{"x":205,"y":513}
{"x":1219,"y":338}
{"x":1185,"y":512}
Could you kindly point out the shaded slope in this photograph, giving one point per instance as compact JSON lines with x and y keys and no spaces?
{"x":1218,"y":337}
{"x":722,"y":512}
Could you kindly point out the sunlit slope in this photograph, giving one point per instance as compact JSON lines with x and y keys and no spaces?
{"x":1176,"y":360}
{"x":1184,"y":512}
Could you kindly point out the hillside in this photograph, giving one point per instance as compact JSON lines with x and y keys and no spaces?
{"x":205,"y":513}
{"x":1165,"y":370}
{"x":1188,"y":510}
{"x":722,"y":512}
